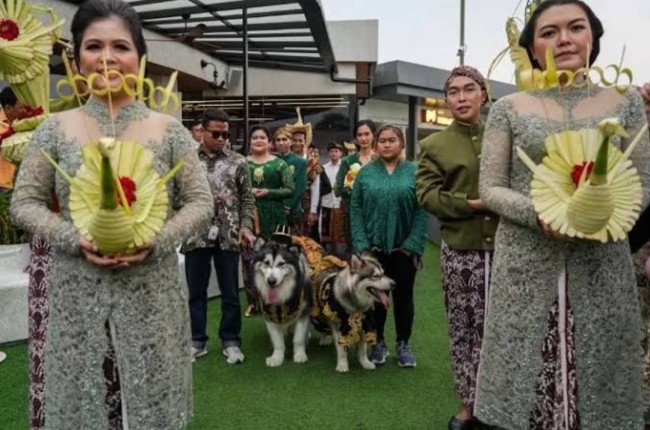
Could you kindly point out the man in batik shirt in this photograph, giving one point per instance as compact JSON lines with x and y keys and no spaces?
{"x":232,"y":226}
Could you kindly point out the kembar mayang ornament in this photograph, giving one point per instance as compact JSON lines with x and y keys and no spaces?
{"x":25,"y":47}
{"x":117,"y":199}
{"x":585,"y":186}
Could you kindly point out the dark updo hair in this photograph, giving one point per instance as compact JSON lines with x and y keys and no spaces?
{"x":367,"y":122}
{"x":95,"y":10}
{"x":527,"y":37}
{"x":259,"y":127}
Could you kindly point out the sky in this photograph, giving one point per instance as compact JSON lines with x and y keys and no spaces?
{"x":427,"y":32}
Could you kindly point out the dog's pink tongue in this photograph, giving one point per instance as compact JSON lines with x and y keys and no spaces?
{"x":271,"y":295}
{"x":384,"y":299}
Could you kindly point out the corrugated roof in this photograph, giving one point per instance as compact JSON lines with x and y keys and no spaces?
{"x":283,"y":34}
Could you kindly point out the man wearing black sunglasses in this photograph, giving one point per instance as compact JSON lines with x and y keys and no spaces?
{"x":232,"y":225}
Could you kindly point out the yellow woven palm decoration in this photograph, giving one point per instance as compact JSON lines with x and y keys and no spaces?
{"x":25,"y":49}
{"x":117,"y":199}
{"x":586,"y":187}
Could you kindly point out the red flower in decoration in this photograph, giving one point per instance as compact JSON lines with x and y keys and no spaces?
{"x":30,"y":113}
{"x":576,"y":173}
{"x":5,"y":134}
{"x":129,"y":187}
{"x":8,"y":29}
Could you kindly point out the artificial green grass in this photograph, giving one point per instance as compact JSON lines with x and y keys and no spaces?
{"x":301,"y":396}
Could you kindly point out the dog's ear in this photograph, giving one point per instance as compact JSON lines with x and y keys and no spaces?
{"x":304,"y":269}
{"x":259,"y":243}
{"x":355,"y":263}
{"x":295,"y":249}
{"x":367,"y":253}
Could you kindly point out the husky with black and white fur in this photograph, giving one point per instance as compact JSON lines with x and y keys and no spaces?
{"x":280,"y":275}
{"x":344,"y":298}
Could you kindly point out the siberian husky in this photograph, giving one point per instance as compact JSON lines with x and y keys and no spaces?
{"x":280,"y":275}
{"x":345,"y":298}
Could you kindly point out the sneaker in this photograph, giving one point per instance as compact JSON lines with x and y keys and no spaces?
{"x":405,"y":357}
{"x":198,"y":350}
{"x":233,"y":355}
{"x":379,"y":353}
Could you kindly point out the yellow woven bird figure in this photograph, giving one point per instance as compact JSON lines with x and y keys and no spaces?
{"x":117,"y":199}
{"x":586,"y":187}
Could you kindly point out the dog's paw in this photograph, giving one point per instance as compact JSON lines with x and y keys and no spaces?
{"x":300,"y":357}
{"x":274,"y":360}
{"x":325,"y":340}
{"x":342,"y":367}
{"x":368,"y":365}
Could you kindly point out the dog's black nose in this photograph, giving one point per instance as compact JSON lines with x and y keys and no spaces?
{"x":272,"y":281}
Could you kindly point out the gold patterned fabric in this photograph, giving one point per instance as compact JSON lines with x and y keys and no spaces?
{"x":354,"y":328}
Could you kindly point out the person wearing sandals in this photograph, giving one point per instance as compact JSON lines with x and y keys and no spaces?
{"x":447,"y":187}
{"x":388,"y":222}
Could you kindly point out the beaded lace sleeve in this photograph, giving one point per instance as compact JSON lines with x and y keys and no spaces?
{"x":635,"y":118}
{"x":193,"y":189}
{"x":32,"y":193}
{"x":496,"y":170}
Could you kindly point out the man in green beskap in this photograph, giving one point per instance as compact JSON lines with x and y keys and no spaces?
{"x":298,"y":167}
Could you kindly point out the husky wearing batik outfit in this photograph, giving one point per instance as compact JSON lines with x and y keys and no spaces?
{"x":282,"y":281}
{"x":343,"y":299}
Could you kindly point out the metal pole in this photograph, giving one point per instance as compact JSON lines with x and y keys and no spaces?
{"x":246,"y":113}
{"x":412,"y":131}
{"x":461,"y":50}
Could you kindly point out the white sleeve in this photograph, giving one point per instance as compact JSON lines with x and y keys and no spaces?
{"x":315,"y":195}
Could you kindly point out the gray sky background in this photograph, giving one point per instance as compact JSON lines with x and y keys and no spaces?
{"x":428,"y":31}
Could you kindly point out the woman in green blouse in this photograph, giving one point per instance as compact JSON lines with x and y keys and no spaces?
{"x":272,"y":183}
{"x":271,"y":179}
{"x":364,"y":133}
{"x":388,"y":221}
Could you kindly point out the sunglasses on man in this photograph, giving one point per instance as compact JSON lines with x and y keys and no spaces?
{"x":217,"y":134}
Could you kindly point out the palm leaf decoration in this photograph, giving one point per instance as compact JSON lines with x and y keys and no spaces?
{"x":25,"y":49}
{"x":117,"y":199}
{"x":586,"y":187}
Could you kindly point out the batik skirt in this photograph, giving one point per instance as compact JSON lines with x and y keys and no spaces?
{"x":465,"y":282}
{"x":39,"y":270}
{"x":465,"y":276}
{"x":332,"y":226}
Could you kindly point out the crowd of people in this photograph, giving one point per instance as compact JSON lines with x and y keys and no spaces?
{"x":281,"y":184}
{"x":545,"y":331}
